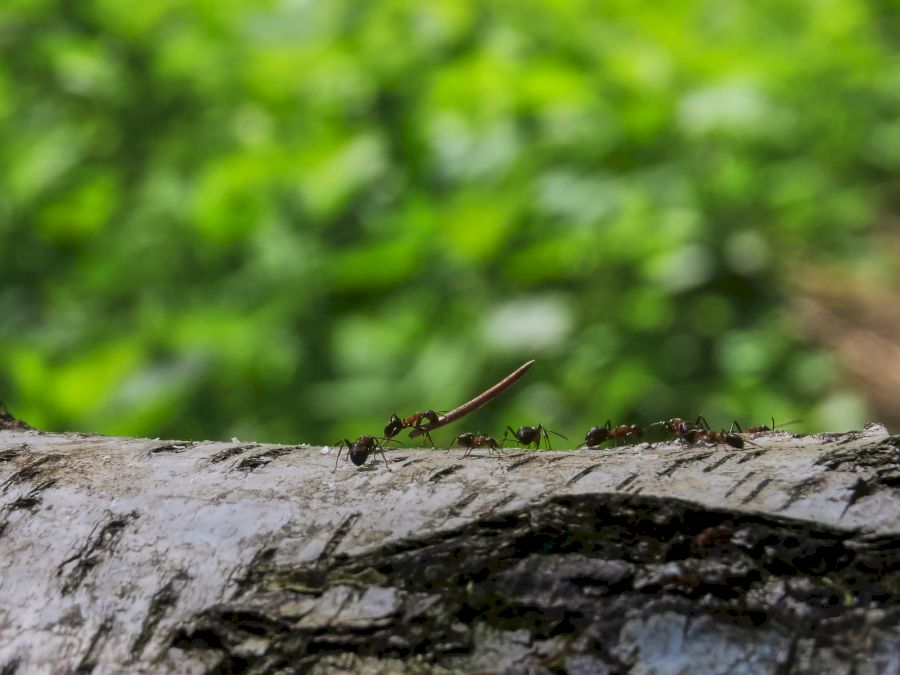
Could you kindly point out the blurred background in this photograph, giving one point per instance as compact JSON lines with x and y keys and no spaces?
{"x":285,"y":220}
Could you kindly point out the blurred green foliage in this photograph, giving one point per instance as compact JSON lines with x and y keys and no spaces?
{"x":286,"y":220}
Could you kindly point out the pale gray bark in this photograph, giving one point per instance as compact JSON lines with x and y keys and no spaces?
{"x":136,"y":555}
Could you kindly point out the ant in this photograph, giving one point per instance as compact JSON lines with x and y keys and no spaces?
{"x":471,"y":441}
{"x":682,"y":428}
{"x":528,"y":435}
{"x":715,"y":437}
{"x":360,"y":449}
{"x":396,"y":424}
{"x":760,"y":429}
{"x":597,"y":435}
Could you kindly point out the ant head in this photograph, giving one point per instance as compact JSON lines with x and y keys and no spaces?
{"x":596,"y":435}
{"x":393,"y":427}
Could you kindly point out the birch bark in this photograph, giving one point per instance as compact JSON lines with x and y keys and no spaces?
{"x":147,"y":556}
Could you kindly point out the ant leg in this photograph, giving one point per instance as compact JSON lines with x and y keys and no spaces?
{"x":381,"y":450}
{"x":506,"y":434}
{"x":546,"y":438}
{"x":734,"y":425}
{"x":704,"y":425}
{"x":340,"y":447}
{"x":419,"y":425}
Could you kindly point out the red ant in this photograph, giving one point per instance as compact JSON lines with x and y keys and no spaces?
{"x":395,"y":425}
{"x":723,"y":437}
{"x":528,"y":435}
{"x":694,"y":432}
{"x":597,"y":435}
{"x":760,"y":429}
{"x":360,"y":449}
{"x":471,"y":441}
{"x":681,"y":428}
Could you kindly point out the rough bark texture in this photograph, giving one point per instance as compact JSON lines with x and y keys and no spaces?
{"x":136,"y":555}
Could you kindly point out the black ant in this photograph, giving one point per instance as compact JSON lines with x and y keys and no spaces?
{"x":531,"y":435}
{"x":470,"y":441}
{"x":397,"y":424}
{"x":597,"y":435}
{"x":360,"y":449}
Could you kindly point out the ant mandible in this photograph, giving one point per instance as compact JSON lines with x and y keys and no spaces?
{"x":531,"y":435}
{"x":397,"y":424}
{"x":470,"y":441}
{"x":598,"y":435}
{"x":359,"y":450}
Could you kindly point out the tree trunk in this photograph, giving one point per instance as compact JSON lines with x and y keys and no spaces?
{"x":125,"y":555}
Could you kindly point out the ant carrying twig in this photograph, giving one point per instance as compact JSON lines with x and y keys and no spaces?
{"x":475,"y":403}
{"x":360,"y":449}
{"x":531,"y":435}
{"x":470,"y":441}
{"x":415,"y":421}
{"x":599,"y":435}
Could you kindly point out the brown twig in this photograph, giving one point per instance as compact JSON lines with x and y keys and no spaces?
{"x":476,"y":402}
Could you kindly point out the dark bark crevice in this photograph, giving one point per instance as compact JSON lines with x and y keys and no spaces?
{"x":571,"y":571}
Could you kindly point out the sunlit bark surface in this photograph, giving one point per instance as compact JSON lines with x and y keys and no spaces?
{"x":138,"y":555}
